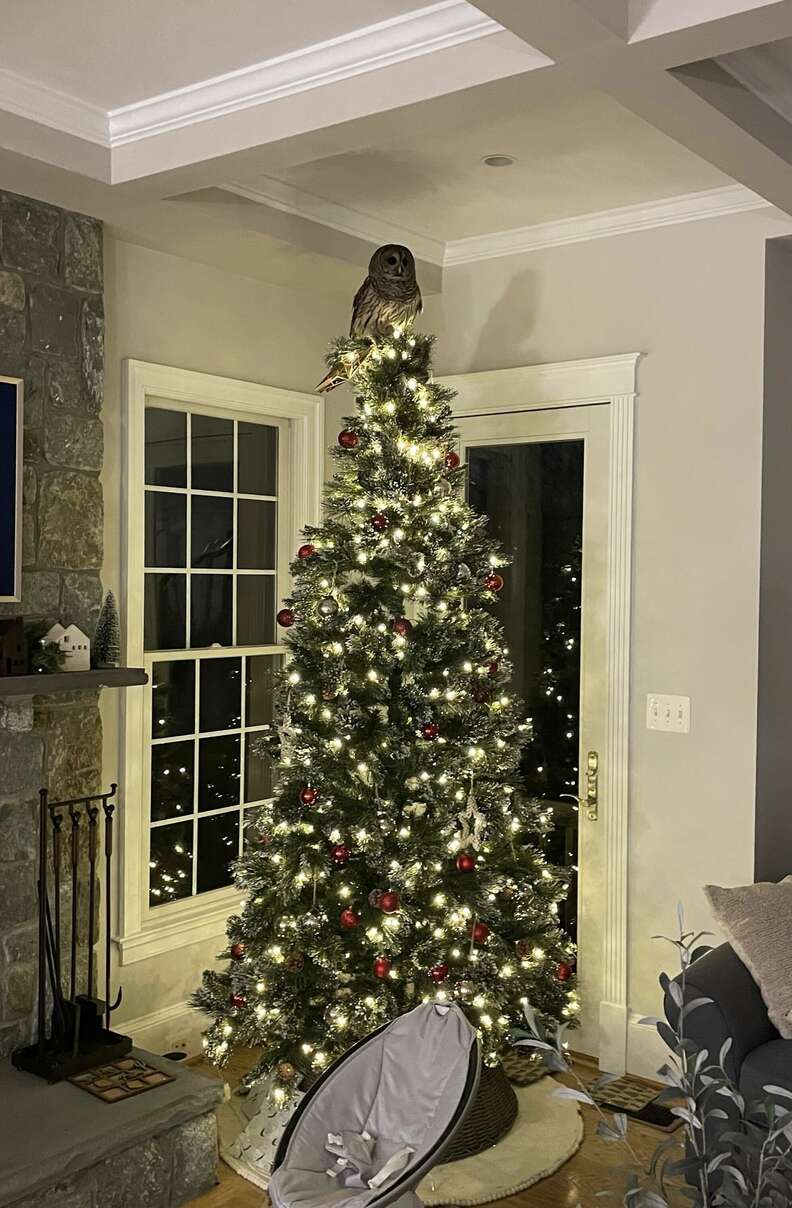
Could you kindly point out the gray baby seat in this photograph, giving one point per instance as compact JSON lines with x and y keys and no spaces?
{"x":381,"y":1117}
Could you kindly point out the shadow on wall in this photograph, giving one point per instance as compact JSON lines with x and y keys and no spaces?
{"x":510,"y":326}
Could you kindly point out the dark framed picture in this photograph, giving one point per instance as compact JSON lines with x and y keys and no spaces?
{"x":10,"y":488}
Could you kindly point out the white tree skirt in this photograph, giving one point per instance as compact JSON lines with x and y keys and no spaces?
{"x":546,"y":1133}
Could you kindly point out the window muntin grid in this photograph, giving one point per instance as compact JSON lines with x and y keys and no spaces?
{"x":196,"y":467}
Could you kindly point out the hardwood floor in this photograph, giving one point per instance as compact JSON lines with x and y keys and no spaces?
{"x":597,"y":1166}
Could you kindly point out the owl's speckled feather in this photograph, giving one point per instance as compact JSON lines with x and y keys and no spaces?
{"x":389,"y":297}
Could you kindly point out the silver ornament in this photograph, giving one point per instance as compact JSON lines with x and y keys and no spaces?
{"x":328,"y":607}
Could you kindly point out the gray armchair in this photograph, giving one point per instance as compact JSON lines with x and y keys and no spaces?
{"x":758,"y":1055}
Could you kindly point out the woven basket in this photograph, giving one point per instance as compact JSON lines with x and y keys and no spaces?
{"x":493,"y":1112}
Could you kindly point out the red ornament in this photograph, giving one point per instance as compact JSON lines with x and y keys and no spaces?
{"x":389,"y":902}
{"x":382,"y":967}
{"x":480,"y":693}
{"x":430,"y":730}
{"x":329,"y":694}
{"x":309,"y":795}
{"x":237,"y":951}
{"x":349,"y":919}
{"x":466,"y":861}
{"x":379,"y":522}
{"x":237,"y":1000}
{"x":439,"y":973}
{"x":564,"y":972}
{"x":348,"y":439}
{"x":286,"y":618}
{"x":523,"y":949}
{"x":402,"y":626}
{"x":451,"y":460}
{"x":306,"y":551}
{"x":480,"y":933}
{"x":340,"y":854}
{"x":494,"y":667}
{"x":494,"y":581}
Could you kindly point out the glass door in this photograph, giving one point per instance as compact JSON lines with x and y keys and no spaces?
{"x":541,"y":480}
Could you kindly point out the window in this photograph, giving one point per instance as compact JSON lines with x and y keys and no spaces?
{"x":211,"y":517}
{"x":218,"y":486}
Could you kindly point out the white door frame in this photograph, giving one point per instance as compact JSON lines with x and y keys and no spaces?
{"x":613,"y":381}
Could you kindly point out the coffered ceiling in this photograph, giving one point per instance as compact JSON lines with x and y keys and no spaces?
{"x":266,"y":136}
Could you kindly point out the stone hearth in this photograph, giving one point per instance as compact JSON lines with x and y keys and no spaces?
{"x":62,"y":1148}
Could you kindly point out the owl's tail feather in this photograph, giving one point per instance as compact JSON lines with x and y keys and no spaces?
{"x":328,"y":383}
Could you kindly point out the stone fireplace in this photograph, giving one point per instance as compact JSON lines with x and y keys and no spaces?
{"x":158,"y":1149}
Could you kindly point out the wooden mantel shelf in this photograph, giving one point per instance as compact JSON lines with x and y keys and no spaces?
{"x":71,"y":681}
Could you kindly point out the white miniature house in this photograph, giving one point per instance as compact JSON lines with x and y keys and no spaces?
{"x":74,"y":644}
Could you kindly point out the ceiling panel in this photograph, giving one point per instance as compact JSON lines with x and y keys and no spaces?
{"x":115,"y":52}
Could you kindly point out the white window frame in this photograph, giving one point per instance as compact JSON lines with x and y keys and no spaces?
{"x":144,"y":931}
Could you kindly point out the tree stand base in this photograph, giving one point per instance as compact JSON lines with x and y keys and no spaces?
{"x":493,"y":1113}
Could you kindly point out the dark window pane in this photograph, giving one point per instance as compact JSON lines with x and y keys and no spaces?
{"x":255,"y":610}
{"x":166,"y":529}
{"x":218,"y":848}
{"x":170,"y":865}
{"x":165,"y":610}
{"x":212,"y":453}
{"x":258,"y":460}
{"x":173,"y":698}
{"x":218,"y":772}
{"x":166,"y":448}
{"x":260,"y":688}
{"x":256,"y":535}
{"x":171,"y":780}
{"x":259,"y":778}
{"x":221,"y":694}
{"x":212,"y":537}
{"x":210,"y":610}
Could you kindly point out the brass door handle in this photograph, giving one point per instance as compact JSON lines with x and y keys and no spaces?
{"x":592,"y":786}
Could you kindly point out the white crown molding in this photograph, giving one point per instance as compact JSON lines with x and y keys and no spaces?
{"x":435,"y":27}
{"x":291,"y":200}
{"x":39,"y":103}
{"x":687,"y":207}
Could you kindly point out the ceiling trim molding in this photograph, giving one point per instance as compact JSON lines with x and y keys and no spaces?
{"x":687,"y":207}
{"x":49,"y":107}
{"x":622,"y":220}
{"x":371,"y":48}
{"x":291,"y":200}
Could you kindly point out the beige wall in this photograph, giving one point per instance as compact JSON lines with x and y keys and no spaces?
{"x":176,"y":312}
{"x":690,"y":298}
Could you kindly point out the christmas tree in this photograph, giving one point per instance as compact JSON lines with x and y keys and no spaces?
{"x":107,"y":639}
{"x":399,"y":859}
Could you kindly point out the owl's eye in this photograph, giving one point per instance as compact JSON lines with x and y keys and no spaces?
{"x":392,"y":260}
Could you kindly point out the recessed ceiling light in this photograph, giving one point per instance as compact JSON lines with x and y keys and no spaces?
{"x":498,"y":161}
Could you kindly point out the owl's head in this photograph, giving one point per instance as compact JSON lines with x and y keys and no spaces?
{"x":393,"y":260}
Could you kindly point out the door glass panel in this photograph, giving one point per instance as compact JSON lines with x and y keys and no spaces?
{"x":255,"y":610}
{"x":260,"y":688}
{"x":165,"y":607}
{"x":221,"y":694}
{"x":210,"y":610}
{"x":172,"y":779}
{"x":218,"y":772}
{"x":532,"y":495}
{"x":170,"y":863}
{"x":218,"y":848}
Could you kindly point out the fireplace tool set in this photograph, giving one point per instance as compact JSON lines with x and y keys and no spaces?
{"x":79,"y":1037}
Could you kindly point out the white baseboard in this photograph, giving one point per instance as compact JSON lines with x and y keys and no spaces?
{"x":177,"y":1027}
{"x":646,"y":1052}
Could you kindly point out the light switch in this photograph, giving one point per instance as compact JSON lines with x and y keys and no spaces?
{"x":668,"y":713}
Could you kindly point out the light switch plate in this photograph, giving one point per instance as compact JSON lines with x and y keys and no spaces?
{"x":668,"y":713}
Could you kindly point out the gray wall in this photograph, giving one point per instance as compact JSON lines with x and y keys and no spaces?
{"x":773,"y":849}
{"x":52,"y":335}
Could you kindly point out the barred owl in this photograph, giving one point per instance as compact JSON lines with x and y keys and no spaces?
{"x":389,"y":296}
